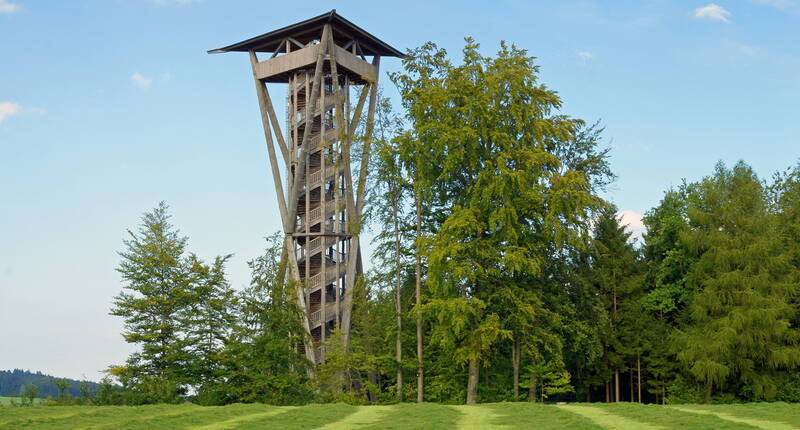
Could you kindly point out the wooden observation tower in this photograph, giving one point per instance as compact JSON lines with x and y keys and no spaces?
{"x":324,"y":62}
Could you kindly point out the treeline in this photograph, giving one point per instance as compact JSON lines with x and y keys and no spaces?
{"x":17,"y":382}
{"x":500,"y":272}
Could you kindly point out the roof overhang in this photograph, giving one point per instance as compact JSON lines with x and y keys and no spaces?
{"x":309,"y":30}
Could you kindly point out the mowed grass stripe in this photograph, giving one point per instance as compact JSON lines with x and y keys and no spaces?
{"x":234,"y":422}
{"x":476,"y":417}
{"x":305,"y":417}
{"x":787,"y":413}
{"x":362,"y":417}
{"x":608,"y":420}
{"x":143,"y":418}
{"x":525,"y":416}
{"x":417,"y":416}
{"x":762,"y":424}
{"x":197,"y":416}
{"x":8,"y":414}
{"x":84,"y":417}
{"x":670,"y":418}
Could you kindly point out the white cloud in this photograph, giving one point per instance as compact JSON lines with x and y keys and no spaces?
{"x":8,"y":109}
{"x":165,"y":77}
{"x":712,"y":12}
{"x":633,"y":222}
{"x":141,"y":80}
{"x":7,"y":7}
{"x":585,"y":56}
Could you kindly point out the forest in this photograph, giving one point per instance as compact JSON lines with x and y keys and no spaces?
{"x":501,"y":273}
{"x":14,"y":382}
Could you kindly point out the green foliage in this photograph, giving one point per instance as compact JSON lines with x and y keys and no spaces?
{"x":486,"y":199}
{"x":739,"y":329}
{"x":260,"y":361}
{"x":489,"y":150}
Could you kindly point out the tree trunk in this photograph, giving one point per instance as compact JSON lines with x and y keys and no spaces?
{"x":709,"y":386}
{"x":639,"y":377}
{"x":630,"y":380}
{"x":472,"y":381}
{"x":397,"y":305}
{"x":532,"y":389}
{"x":616,"y":386}
{"x":418,"y":293}
{"x":515,"y":358}
{"x":372,"y":376}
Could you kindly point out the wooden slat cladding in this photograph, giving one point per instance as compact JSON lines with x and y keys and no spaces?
{"x":278,"y":69}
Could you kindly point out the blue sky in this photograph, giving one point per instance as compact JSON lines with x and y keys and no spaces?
{"x":109,"y":106}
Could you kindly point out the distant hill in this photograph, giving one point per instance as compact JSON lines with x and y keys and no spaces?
{"x":11,"y":382}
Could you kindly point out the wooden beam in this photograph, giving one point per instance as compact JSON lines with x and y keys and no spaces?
{"x":278,"y":49}
{"x":365,"y":153}
{"x":294,"y":195}
{"x":277,"y":129}
{"x":263,"y":101}
{"x":293,"y":40}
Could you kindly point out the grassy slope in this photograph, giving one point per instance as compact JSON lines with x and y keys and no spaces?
{"x":504,"y":416}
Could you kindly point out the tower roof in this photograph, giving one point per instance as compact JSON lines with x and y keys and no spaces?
{"x":309,"y":30}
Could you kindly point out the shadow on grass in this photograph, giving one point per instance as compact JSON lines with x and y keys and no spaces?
{"x":670,"y":418}
{"x":411,"y":416}
{"x":306,"y":417}
{"x":788,"y":413}
{"x":523,"y":415}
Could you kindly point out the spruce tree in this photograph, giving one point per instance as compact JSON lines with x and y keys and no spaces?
{"x":156,"y":292}
{"x":739,"y":333}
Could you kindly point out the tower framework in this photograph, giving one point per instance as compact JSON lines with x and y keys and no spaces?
{"x":324,"y":62}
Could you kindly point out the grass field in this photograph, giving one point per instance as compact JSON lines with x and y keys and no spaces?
{"x":8,"y":400}
{"x":773,"y":416}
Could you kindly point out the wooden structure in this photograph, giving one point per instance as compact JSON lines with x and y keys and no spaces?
{"x":323,"y":60}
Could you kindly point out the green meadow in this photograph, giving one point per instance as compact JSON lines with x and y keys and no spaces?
{"x":407,"y":416}
{"x":10,"y":400}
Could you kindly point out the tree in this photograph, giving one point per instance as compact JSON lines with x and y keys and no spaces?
{"x":208,"y":317}
{"x":613,"y":275}
{"x":261,"y":361}
{"x":29,"y":393}
{"x":489,"y":137}
{"x":62,"y":386}
{"x":175,"y":308}
{"x":739,"y":327}
{"x":388,"y":198}
{"x":156,"y":293}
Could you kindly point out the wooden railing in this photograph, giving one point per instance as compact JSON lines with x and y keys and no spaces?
{"x":316,"y":316}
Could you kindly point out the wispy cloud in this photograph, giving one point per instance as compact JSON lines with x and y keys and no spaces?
{"x":9,"y":109}
{"x":165,"y":77}
{"x":584,"y":56}
{"x":8,"y":7}
{"x":633,"y":222}
{"x":141,"y":80}
{"x":712,"y":12}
